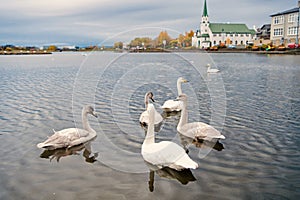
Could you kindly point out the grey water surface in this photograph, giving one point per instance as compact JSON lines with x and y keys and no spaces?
{"x":254,"y":101}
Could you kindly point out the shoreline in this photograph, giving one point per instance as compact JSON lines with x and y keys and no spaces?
{"x":286,"y":52}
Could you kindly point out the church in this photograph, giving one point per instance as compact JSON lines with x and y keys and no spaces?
{"x":214,"y":34}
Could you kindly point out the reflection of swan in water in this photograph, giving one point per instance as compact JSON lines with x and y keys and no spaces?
{"x":203,"y":144}
{"x":144,"y":117}
{"x":72,"y":136}
{"x":75,"y":150}
{"x":197,"y":130}
{"x":171,"y":105}
{"x":183,"y":176}
{"x":165,"y":153}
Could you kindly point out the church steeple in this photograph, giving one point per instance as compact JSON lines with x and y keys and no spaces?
{"x":205,"y":13}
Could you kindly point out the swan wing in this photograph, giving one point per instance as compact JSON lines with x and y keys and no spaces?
{"x":158,"y":118}
{"x":63,"y":138}
{"x":144,"y":117}
{"x":200,"y":130}
{"x":167,"y":154}
{"x":172,"y":105}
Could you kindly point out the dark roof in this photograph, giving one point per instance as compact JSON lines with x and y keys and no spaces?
{"x":286,"y":12}
{"x":229,"y":28}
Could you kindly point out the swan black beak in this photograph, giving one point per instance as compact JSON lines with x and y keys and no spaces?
{"x":152,"y":99}
{"x":95,"y":114}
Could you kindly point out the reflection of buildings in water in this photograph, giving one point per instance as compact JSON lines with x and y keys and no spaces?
{"x":183,"y":176}
{"x":203,"y":144}
{"x":63,"y":152}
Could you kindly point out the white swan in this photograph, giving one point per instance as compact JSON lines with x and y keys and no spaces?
{"x":144,"y":117}
{"x":71,"y":136}
{"x":171,"y":105}
{"x":209,"y":70}
{"x":165,"y":153}
{"x":196,"y":130}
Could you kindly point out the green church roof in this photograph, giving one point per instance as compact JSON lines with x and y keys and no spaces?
{"x":229,"y":28}
{"x":205,"y":13}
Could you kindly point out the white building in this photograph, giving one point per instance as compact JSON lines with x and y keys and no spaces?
{"x":285,"y":27}
{"x":213,"y":34}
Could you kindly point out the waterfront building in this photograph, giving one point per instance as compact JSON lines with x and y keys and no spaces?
{"x":285,"y":27}
{"x":214,"y":34}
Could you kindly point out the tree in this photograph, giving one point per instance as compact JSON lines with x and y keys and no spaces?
{"x":118,"y":45}
{"x":52,"y":48}
{"x":141,"y":42}
{"x":163,"y":35}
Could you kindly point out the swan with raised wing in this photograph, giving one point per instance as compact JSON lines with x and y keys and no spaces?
{"x":144,"y":117}
{"x":209,"y":70}
{"x":69,"y":137}
{"x":165,"y":153}
{"x":195,"y":130}
{"x":171,"y":105}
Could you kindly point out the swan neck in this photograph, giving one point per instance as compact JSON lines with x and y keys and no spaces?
{"x":150,"y":136}
{"x":85,"y":122}
{"x":179,"y":88}
{"x":184,"y":116}
{"x":146,"y":101}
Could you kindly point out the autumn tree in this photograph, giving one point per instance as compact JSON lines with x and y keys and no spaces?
{"x":52,"y":48}
{"x":163,"y":35}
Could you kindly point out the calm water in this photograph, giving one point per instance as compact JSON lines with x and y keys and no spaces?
{"x":254,"y":101}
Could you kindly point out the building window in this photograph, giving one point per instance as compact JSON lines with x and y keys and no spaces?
{"x":220,"y":34}
{"x":278,"y":19}
{"x":278,"y":31}
{"x":215,"y":42}
{"x":231,"y":35}
{"x":236,"y":42}
{"x":293,"y":17}
{"x":215,"y":35}
{"x":220,"y":42}
{"x":292,"y":31}
{"x":242,"y":35}
{"x":236,"y":35}
{"x":247,"y":35}
{"x":242,"y":42}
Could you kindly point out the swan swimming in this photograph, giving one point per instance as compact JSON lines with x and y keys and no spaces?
{"x":165,"y":153}
{"x":69,"y":137}
{"x":195,"y":130}
{"x":144,"y":117}
{"x":171,"y":105}
{"x":209,"y":70}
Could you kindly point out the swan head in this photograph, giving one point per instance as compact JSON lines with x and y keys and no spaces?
{"x":90,"y":110}
{"x":182,"y":80}
{"x":150,"y":96}
{"x":208,"y":65}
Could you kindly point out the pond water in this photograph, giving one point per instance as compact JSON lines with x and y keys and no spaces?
{"x":254,"y":101}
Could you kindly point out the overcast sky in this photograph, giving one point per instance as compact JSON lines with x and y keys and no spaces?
{"x":91,"y":22}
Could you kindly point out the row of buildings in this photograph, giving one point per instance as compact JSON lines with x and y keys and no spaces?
{"x":283,"y":30}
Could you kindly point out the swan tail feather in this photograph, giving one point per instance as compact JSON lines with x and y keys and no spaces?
{"x":186,"y":162}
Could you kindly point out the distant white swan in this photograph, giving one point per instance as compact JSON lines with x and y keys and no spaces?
{"x":171,"y":105}
{"x":71,"y":136}
{"x":165,"y":153}
{"x":144,"y":117}
{"x":195,"y":130}
{"x":209,"y":70}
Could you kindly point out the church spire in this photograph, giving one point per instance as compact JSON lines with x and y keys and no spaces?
{"x":205,"y":14}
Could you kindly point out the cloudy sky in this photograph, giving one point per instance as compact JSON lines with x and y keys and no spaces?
{"x":89,"y":22}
